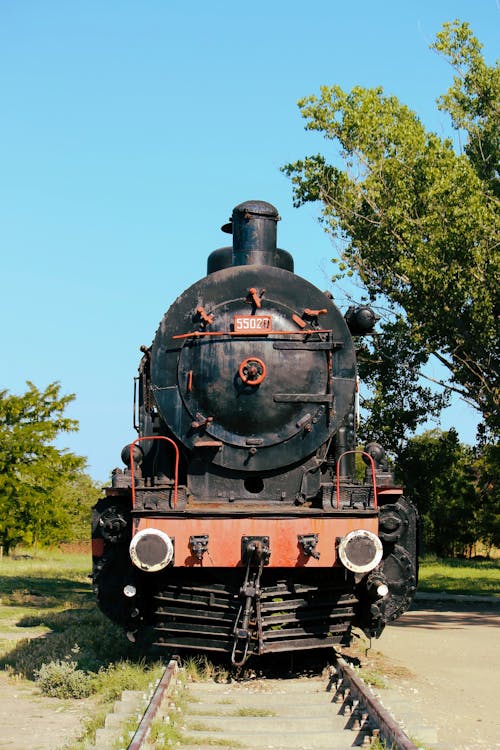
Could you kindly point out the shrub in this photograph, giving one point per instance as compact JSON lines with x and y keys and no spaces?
{"x":62,"y":679}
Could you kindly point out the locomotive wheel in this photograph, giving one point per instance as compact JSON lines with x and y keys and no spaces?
{"x":399,"y":571}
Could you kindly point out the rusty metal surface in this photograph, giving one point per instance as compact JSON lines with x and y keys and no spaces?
{"x":200,"y":611}
{"x":223,"y":547}
{"x":304,"y":713}
{"x":390,"y":731}
{"x":214,"y":361}
{"x":142,"y":732}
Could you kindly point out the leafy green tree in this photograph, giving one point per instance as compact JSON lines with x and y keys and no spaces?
{"x":473,"y":101}
{"x":397,"y":401}
{"x":438,"y":474}
{"x":416,"y":222}
{"x":78,"y":494}
{"x":32,"y":469}
{"x":488,"y":480}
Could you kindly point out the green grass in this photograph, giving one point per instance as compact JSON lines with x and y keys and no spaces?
{"x":48,"y":566}
{"x":256,"y":712}
{"x":200,"y":669}
{"x":460,"y":576}
{"x":49,"y":593}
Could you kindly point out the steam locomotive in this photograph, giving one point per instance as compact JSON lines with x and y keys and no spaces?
{"x":240,"y":523}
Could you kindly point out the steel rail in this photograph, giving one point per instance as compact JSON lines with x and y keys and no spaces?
{"x":350,"y":690}
{"x":141,"y":735}
{"x":390,"y":731}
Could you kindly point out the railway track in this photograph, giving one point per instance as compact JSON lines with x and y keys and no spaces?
{"x":337,"y":713}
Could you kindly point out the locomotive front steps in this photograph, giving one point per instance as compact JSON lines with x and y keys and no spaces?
{"x":302,"y":716}
{"x":131,"y":703}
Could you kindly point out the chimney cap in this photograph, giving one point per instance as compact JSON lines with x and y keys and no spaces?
{"x":248,"y":209}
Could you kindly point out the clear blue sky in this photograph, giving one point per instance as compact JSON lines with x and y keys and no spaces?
{"x":128,"y":131}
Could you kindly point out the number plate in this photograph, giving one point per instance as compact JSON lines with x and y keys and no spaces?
{"x":253,"y":324}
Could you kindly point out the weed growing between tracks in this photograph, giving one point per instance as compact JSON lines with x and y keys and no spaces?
{"x":164,"y":735}
{"x":200,"y":669}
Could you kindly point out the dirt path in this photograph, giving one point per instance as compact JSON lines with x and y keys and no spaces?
{"x":454,"y":658}
{"x":31,"y":722}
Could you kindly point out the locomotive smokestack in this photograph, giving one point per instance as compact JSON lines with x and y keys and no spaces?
{"x":253,"y":226}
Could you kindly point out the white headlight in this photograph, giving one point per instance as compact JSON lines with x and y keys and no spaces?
{"x":360,"y":551}
{"x":151,"y":550}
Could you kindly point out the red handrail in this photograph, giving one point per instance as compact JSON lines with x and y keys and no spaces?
{"x":259,"y":333}
{"x":372,"y":462}
{"x":176,"y":470}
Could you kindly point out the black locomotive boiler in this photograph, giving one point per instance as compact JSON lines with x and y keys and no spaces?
{"x":238,"y":524}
